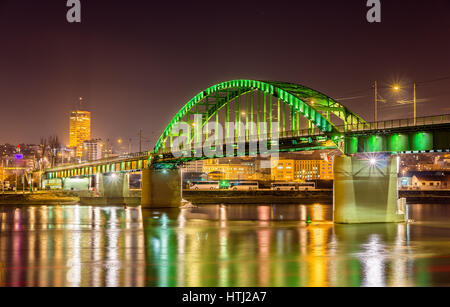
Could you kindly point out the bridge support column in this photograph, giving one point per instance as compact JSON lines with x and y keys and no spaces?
{"x":365,"y":190}
{"x":161,"y":188}
{"x":115,"y":185}
{"x":75,"y":184}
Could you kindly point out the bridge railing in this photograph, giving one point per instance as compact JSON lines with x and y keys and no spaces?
{"x":103,"y":160}
{"x":380,"y":125}
{"x":265,"y":135}
{"x":398,"y":123}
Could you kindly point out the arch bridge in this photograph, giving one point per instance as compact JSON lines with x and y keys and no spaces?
{"x":285,"y":117}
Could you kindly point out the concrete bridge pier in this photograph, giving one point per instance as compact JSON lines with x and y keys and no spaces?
{"x":110,"y":189}
{"x":75,"y":184}
{"x":161,"y":188}
{"x":114,"y":187}
{"x":365,"y":190}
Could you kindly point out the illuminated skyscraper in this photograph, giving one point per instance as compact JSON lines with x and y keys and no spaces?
{"x":80,"y":130}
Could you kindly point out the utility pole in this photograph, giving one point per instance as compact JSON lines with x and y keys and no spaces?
{"x":376,"y":102}
{"x":140,"y":140}
{"x":3,"y":179}
{"x":109,"y":148}
{"x":415,"y":105}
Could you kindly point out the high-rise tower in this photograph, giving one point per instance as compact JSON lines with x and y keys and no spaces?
{"x":80,"y":129}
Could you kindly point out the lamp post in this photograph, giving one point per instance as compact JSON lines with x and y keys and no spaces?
{"x":415,"y":105}
{"x":140,"y":140}
{"x":396,"y":88}
{"x":3,"y":179}
{"x":16,"y":180}
{"x":119,"y":142}
{"x":376,"y":102}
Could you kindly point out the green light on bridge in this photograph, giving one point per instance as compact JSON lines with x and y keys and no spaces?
{"x":294,"y":95}
{"x":422,"y":141}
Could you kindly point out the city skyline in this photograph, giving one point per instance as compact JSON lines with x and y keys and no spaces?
{"x":73,"y":60}
{"x":225,"y":145}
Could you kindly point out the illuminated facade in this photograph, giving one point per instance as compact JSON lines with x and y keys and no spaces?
{"x":93,"y":150}
{"x":313,"y":170}
{"x":283,"y":170}
{"x":228,"y":171}
{"x":301,"y":170}
{"x":80,"y":130}
{"x":193,"y":167}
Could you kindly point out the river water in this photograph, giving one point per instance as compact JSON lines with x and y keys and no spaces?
{"x":219,"y":246}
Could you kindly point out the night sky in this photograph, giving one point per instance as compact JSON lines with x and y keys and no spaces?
{"x":137,"y":62}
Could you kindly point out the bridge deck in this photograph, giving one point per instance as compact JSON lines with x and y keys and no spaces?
{"x":355,"y":138}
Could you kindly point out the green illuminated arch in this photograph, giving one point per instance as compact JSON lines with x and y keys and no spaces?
{"x":308,"y":102}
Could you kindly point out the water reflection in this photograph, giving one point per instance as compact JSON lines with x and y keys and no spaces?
{"x":219,"y":246}
{"x":71,"y":246}
{"x":273,"y":246}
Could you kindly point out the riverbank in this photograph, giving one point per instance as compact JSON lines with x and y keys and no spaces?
{"x":259,"y":197}
{"x":301,"y":197}
{"x":425,"y":197}
{"x":212,"y":197}
{"x":39,"y":198}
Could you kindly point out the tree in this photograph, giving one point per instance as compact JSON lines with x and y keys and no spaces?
{"x":55,"y":147}
{"x":43,"y":152}
{"x":43,"y":144}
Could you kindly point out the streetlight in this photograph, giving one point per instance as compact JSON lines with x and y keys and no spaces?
{"x":415,"y":105}
{"x":376,"y":102}
{"x":397,"y":88}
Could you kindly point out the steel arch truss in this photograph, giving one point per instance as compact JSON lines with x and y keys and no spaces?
{"x":316,"y":107}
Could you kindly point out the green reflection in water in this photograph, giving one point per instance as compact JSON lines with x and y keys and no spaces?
{"x":219,"y":246}
{"x":245,"y":246}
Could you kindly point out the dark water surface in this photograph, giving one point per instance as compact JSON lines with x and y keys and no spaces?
{"x":219,"y":246}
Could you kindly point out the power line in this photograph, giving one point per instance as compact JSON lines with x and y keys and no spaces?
{"x":386,"y":87}
{"x":434,"y":80}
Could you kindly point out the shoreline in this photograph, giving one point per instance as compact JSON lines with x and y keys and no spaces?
{"x":261,"y":197}
{"x":43,"y":198}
